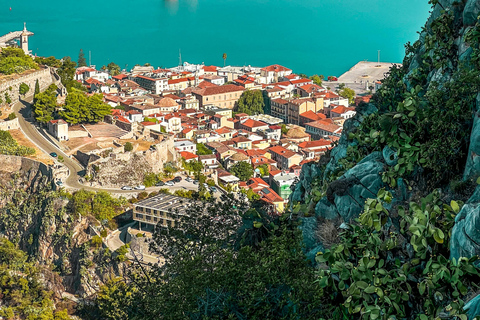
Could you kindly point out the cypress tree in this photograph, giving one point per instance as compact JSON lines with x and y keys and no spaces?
{"x":37,"y":87}
{"x":82,"y":62}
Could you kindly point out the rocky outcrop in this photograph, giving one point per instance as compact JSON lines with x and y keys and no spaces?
{"x":120,"y":168}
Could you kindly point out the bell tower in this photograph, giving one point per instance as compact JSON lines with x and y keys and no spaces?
{"x":24,"y":38}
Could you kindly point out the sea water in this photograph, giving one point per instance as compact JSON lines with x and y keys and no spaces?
{"x":309,"y":36}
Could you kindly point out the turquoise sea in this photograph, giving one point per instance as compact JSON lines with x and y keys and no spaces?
{"x":310,"y":36}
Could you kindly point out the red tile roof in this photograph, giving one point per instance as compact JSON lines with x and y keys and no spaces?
{"x":342,"y":109}
{"x":210,"y":68}
{"x":218,"y":90}
{"x":188,"y":155}
{"x":315,"y":144}
{"x":282,"y":151}
{"x":310,"y":115}
{"x":275,"y":68}
{"x":120,"y":76}
{"x":250,"y":123}
{"x":324,"y":125}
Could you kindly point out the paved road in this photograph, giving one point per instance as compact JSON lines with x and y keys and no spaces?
{"x":27,"y":125}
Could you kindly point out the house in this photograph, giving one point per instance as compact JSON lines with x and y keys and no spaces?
{"x":342,"y":111}
{"x":241,"y":143}
{"x":275,"y":92}
{"x":279,"y":108}
{"x":309,"y":90}
{"x":172,"y":123}
{"x":236,"y":158}
{"x":330,"y":97}
{"x":313,"y":149}
{"x":178,"y":84}
{"x":210,"y":70}
{"x":189,"y":102}
{"x":284,"y":157}
{"x":185,"y":145}
{"x":297,"y":135}
{"x":282,"y":182}
{"x":188,"y":156}
{"x":209,"y":161}
{"x":135,"y":116}
{"x":225,"y":132}
{"x":58,"y":129}
{"x":220,"y":96}
{"x":322,"y":128}
{"x":273,"y":73}
{"x":299,"y":106}
{"x":227,"y":180}
{"x":252,"y":125}
{"x":267,"y":194}
{"x":219,"y":81}
{"x":310,"y":116}
{"x":272,"y":133}
{"x":167,"y":105}
{"x":245,"y":81}
{"x":155,"y":85}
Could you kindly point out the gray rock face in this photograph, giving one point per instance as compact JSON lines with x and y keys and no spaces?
{"x":465,"y":241}
{"x":472,"y":167}
{"x":470,"y":13}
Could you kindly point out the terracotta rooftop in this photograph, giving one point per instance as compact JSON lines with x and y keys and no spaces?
{"x":218,"y":90}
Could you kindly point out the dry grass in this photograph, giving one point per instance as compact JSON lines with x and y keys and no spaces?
{"x":327,"y":232}
{"x":39,"y":155}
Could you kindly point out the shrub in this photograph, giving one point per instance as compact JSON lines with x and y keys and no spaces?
{"x":96,"y":242}
{"x":12,"y":116}
{"x":139,"y":235}
{"x":128,"y":147}
{"x":103,"y":233}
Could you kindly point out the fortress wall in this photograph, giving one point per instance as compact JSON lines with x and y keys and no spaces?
{"x":12,"y":87}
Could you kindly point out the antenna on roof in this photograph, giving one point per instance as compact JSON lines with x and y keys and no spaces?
{"x":90,"y":58}
{"x":179,"y":57}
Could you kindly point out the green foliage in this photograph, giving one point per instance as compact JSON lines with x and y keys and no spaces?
{"x":348,"y":94}
{"x":150,"y":179}
{"x":184,"y":193}
{"x":23,"y":89}
{"x":9,"y":146}
{"x":251,"y":195}
{"x":211,"y":271}
{"x":389,"y":267}
{"x":67,"y":74}
{"x":14,"y":60}
{"x":242,"y":170}
{"x":128,"y":147}
{"x":45,"y":104}
{"x":37,"y":88}
{"x":202,"y":150}
{"x":121,"y":253}
{"x":101,"y":204}
{"x":49,"y":61}
{"x":23,"y":293}
{"x":80,"y":108}
{"x":113,"y":69}
{"x":316,"y":79}
{"x":8,"y":100}
{"x":114,"y":300}
{"x":82,"y":62}
{"x":264,"y":171}
{"x":96,"y":241}
{"x":12,"y":116}
{"x":251,"y":102}
{"x":284,"y":128}
{"x":194,"y":166}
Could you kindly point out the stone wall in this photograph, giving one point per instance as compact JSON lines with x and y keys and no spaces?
{"x":9,"y":124}
{"x":44,"y":77}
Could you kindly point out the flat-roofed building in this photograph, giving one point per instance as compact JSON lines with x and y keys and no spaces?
{"x":162,"y":210}
{"x":155,"y":85}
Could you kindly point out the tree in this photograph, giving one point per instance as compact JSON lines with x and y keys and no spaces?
{"x":113,"y":69}
{"x":222,"y":260}
{"x":316,"y":79}
{"x":264,"y":171}
{"x":50,"y":61}
{"x":202,"y":150}
{"x":128,"y":147}
{"x":14,"y":60}
{"x":12,"y":116}
{"x":348,"y":94}
{"x":284,"y":128}
{"x":80,"y":108}
{"x":224,"y":57}
{"x":67,"y":73}
{"x":23,"y":89}
{"x":242,"y":170}
{"x":82,"y":62}
{"x":251,"y":102}
{"x":37,"y":87}
{"x":8,"y":100}
{"x":45,"y":104}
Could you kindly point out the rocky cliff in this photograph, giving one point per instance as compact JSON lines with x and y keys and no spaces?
{"x":40,"y":221}
{"x":420,"y":133}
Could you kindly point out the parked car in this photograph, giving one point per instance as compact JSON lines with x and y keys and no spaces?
{"x":59,"y":183}
{"x":140,"y":187}
{"x":177,"y":179}
{"x":188,"y":179}
{"x":169,"y":183}
{"x":160,"y":184}
{"x":53,"y":154}
{"x":126,"y":188}
{"x":213,"y":189}
{"x":195,"y":181}
{"x":205,"y":185}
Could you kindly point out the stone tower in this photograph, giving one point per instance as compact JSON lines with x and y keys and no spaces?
{"x":24,"y":38}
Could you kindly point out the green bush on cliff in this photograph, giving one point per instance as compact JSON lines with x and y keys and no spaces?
{"x":9,"y":146}
{"x":14,"y":60}
{"x":102,"y":205}
{"x":394,"y":263}
{"x":22,"y":293}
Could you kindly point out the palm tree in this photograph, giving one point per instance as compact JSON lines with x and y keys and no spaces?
{"x":224,"y":58}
